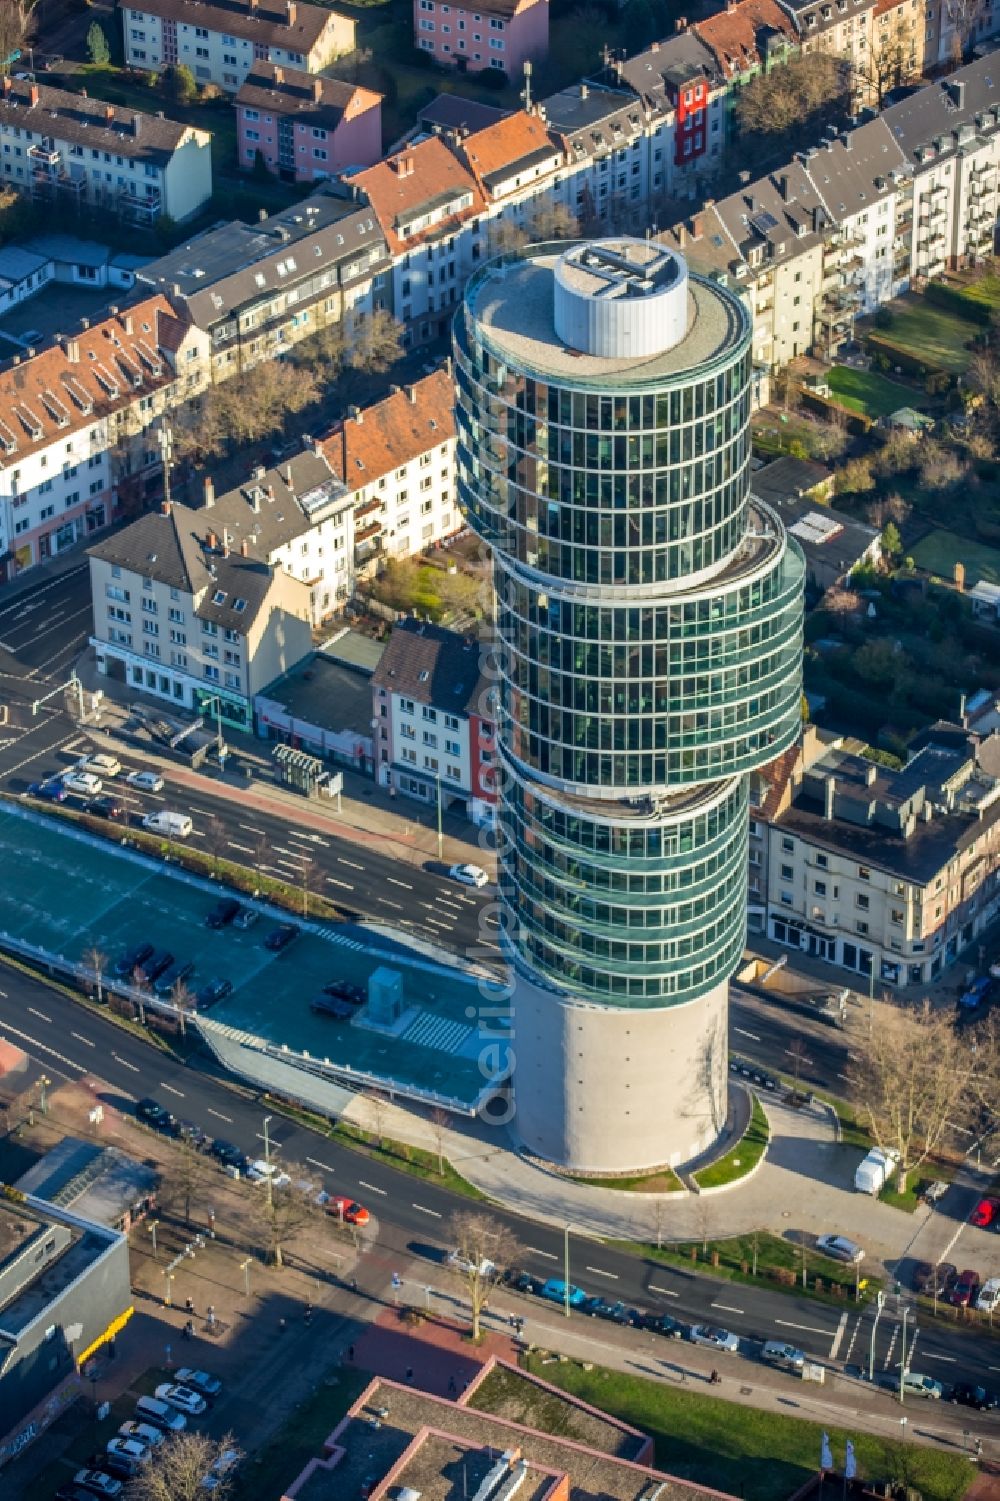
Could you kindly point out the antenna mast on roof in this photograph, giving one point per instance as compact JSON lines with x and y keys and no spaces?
{"x":526,"y":91}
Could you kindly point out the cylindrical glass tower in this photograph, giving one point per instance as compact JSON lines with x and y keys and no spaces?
{"x":649,"y":627}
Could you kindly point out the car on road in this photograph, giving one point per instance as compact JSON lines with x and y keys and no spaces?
{"x":977,"y":994}
{"x":328,"y":1005}
{"x":469,"y":875}
{"x":160,"y":1414}
{"x":199,"y":1381}
{"x":101,"y":764}
{"x":150,"y":970}
{"x":342,"y":1206}
{"x":786,"y":1357}
{"x":555,"y":1290}
{"x":969,"y":1394}
{"x":49,"y":791}
{"x":665,"y":1324}
{"x":964,"y":1292}
{"x":714,"y":1338}
{"x":105,"y":806}
{"x":521,"y":1281}
{"x":98,"y":1483}
{"x":280,"y":937}
{"x":145,"y":781}
{"x":156,"y":1115}
{"x":129,"y":962}
{"x":260,"y":1171}
{"x":165,"y":821}
{"x":83,"y":782}
{"x":225,"y":909}
{"x":211,"y":992}
{"x":227,"y":1154}
{"x":182,"y":1397}
{"x":916,"y":1385}
{"x":129,"y":1450}
{"x":174,"y":975}
{"x":143,"y":1433}
{"x":840,"y":1248}
{"x":988,"y":1300}
{"x":985,"y":1213}
{"x":246,"y":917}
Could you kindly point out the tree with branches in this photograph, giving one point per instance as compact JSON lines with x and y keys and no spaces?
{"x":280,"y":1217}
{"x":376,"y":342}
{"x":216,"y":841}
{"x":440,"y":1121}
{"x":806,"y":91}
{"x":917,"y":1079}
{"x":180,"y":1466}
{"x":97,"y":962}
{"x":483,"y":1248}
{"x":16,"y":21}
{"x":182,"y":998}
{"x":184,"y":1179}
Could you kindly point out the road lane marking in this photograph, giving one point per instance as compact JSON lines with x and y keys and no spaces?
{"x":372,"y":1189}
{"x":385,"y":902}
{"x":892,"y":1346}
{"x":171,"y":1090}
{"x":805,"y":1328}
{"x":727,"y":1308}
{"x":125,"y":1063}
{"x":324,"y":1165}
{"x":951,"y":1359}
{"x":752,"y":1035}
{"x":86,"y":1040}
{"x":42,"y":1047}
{"x":665,"y":1292}
{"x":219,"y":1116}
{"x":352,"y":863}
{"x":432,"y":1212}
{"x":549,"y":1255}
{"x":252,"y":829}
{"x":345,"y":884}
{"x":244,"y":849}
{"x":40,"y":1014}
{"x":599,"y":1271}
{"x":834,"y":1348}
{"x":393,"y":882}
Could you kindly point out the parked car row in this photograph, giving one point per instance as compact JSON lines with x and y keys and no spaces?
{"x":340,"y":999}
{"x":158,"y":969}
{"x":961,"y":1289}
{"x":753,"y":1074}
{"x":86,"y":780}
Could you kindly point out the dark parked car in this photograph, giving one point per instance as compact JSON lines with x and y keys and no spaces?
{"x":280,"y":937}
{"x":104,"y":807}
{"x":227,"y":1154}
{"x":225,"y":909}
{"x":329,"y":1005}
{"x":343,"y":990}
{"x":156,"y":1116}
{"x":131,"y":959}
{"x":615,"y":1313}
{"x":922,"y":1276}
{"x":176,"y":974}
{"x":963,"y":1292}
{"x":212,"y":991}
{"x":115,"y":1464}
{"x":664,"y":1323}
{"x":967,"y":1394}
{"x":521,"y":1281}
{"x":150,"y":970}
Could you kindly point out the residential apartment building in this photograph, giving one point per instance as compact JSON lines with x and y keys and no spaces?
{"x":255,"y":291}
{"x":748,"y":37}
{"x":397,"y":461}
{"x":514,"y":162}
{"x":298,"y":517}
{"x":68,"y":150}
{"x":222,"y":40}
{"x":303,"y":127}
{"x":614,"y":162}
{"x":182,"y":615}
{"x":434,"y":710}
{"x":499,"y":34}
{"x":842,"y":28}
{"x":888,"y":874}
{"x":684,"y":89}
{"x":77,"y":424}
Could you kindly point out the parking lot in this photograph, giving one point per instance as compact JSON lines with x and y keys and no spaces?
{"x":74,"y":894}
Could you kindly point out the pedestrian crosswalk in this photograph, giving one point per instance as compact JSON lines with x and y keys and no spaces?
{"x":335,"y":937}
{"x":432,"y":1031}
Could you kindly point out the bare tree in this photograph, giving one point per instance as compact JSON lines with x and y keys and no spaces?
{"x":483,"y":1248}
{"x":779,"y":101}
{"x":376,"y":342}
{"x":182,"y":1461}
{"x":964,"y":16}
{"x":376,"y":1104}
{"x":15,"y":25}
{"x":182,"y":998}
{"x":261,"y":850}
{"x":799,"y":1054}
{"x":917,"y":1078}
{"x":440,"y":1121}
{"x":841,"y":601}
{"x":503,"y":235}
{"x":216,"y":841}
{"x":184,"y":1179}
{"x":97,"y":962}
{"x":281,"y":1216}
{"x":310,"y":872}
{"x":554,"y":222}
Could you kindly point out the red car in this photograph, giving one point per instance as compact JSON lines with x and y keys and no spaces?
{"x":350,"y":1211}
{"x":985,"y":1213}
{"x":964,"y":1292}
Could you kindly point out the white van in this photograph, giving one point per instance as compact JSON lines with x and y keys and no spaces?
{"x":101,"y":763}
{"x":160,"y":1414}
{"x":174,"y":825}
{"x":875,"y":1171}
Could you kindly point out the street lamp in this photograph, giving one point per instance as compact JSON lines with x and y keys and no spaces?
{"x":245,"y":1269}
{"x":902,"y":1354}
{"x":167,"y":1297}
{"x":267,"y":1161}
{"x":44,"y":1083}
{"x":151,"y":1227}
{"x":566,"y":1270}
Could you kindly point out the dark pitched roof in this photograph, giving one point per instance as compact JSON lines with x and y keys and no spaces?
{"x":290,"y":24}
{"x":434,"y":666}
{"x":275,"y":506}
{"x":311,"y":98}
{"x":453,"y":112}
{"x":91,"y":122}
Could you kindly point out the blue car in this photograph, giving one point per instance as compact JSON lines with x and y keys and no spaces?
{"x":978,"y":992}
{"x":555,"y":1291}
{"x":51,"y":791}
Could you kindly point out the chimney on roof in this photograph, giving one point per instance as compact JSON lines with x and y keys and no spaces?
{"x":403,"y":165}
{"x":225,"y":542}
{"x":829,"y":794}
{"x":211,"y":541}
{"x":584,"y":91}
{"x":317,"y":89}
{"x":356,"y":415}
{"x":165,"y":508}
{"x":208,"y":492}
{"x":252,"y":7}
{"x":33,"y":95}
{"x":84,"y":323}
{"x":287,"y":476}
{"x":785,"y":187}
{"x":8,"y":83}
{"x":871,"y":772}
{"x":697,"y":226}
{"x":244,"y":548}
{"x":411,"y":395}
{"x":127,"y":323}
{"x":71,"y":349}
{"x":136,"y":125}
{"x":109,"y":114}
{"x":292,"y":8}
{"x":113,"y":309}
{"x":682,"y":236}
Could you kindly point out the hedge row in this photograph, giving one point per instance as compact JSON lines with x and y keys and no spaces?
{"x":958,"y":302}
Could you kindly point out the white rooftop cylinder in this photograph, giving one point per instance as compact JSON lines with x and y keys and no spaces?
{"x":621,"y":299}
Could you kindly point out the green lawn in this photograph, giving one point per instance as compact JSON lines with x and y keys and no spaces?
{"x":664,"y":1181}
{"x":745,"y":1451}
{"x":868,"y":392}
{"x":927,"y":333}
{"x":745,"y":1155}
{"x":940,"y":550}
{"x":985,"y":290}
{"x":778,"y":1262}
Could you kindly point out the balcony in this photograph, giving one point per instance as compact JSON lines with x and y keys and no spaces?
{"x":139,"y":208}
{"x":45,"y":157}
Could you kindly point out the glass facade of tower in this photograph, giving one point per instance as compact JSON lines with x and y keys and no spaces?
{"x":649,"y":626}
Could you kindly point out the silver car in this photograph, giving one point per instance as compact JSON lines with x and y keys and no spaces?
{"x":840,"y":1248}
{"x":716,"y":1339}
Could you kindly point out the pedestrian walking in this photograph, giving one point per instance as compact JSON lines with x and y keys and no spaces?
{"x":350,"y":1353}
{"x":211,"y":1317}
{"x":189,"y":1304}
{"x":409,"y":1373}
{"x":452,"y":1386}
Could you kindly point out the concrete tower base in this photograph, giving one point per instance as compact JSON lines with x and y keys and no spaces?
{"x":607,"y":1089}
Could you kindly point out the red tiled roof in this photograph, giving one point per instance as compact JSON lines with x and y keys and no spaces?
{"x":421,"y":174}
{"x":394,"y":431}
{"x":732,"y":34}
{"x":506,"y":142}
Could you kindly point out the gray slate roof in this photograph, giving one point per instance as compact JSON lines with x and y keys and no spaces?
{"x":276,"y":505}
{"x":90,"y":122}
{"x":433,"y":666}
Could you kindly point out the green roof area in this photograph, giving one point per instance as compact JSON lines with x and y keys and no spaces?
{"x":75,"y":892}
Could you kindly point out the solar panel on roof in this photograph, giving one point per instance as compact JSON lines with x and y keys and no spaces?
{"x":764,"y":222}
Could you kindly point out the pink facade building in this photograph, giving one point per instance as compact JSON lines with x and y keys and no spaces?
{"x":502,"y":34}
{"x":304,"y":126}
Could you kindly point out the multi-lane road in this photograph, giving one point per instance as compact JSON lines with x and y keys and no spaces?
{"x":72,"y":1042}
